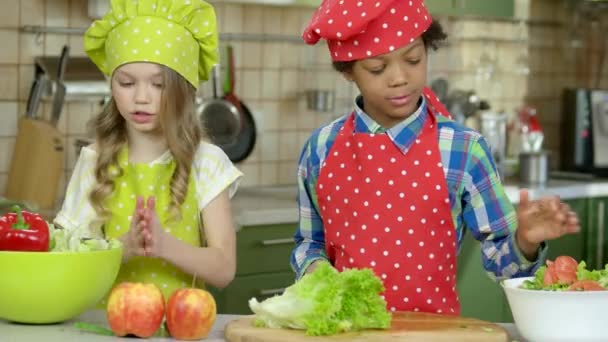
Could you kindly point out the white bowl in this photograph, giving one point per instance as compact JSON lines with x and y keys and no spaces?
{"x":555,"y":316}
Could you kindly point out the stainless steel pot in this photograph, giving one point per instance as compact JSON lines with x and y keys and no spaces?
{"x":320,"y":100}
{"x":534,"y":167}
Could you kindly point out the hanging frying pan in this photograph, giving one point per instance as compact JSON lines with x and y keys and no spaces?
{"x":220,"y":117}
{"x":240,"y":148}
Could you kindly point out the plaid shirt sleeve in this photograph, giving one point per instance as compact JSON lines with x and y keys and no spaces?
{"x":491,"y":218}
{"x":310,"y":236}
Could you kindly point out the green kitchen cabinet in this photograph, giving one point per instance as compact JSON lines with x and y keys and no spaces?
{"x":597,"y":237}
{"x":480,"y":296}
{"x":572,"y":244}
{"x":480,"y":8}
{"x":263,"y":268}
{"x":234,"y":299}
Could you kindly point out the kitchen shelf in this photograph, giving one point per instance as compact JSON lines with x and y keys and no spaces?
{"x":243,"y":37}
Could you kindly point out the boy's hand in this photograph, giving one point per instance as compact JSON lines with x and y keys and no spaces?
{"x":133,"y":240}
{"x":544,"y":219}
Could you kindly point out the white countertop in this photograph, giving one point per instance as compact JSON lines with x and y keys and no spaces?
{"x":11,"y":332}
{"x":277,"y":205}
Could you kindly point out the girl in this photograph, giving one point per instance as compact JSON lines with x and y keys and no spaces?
{"x":393,"y":185}
{"x":150,"y":179}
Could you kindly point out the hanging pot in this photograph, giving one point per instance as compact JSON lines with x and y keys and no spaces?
{"x":220,"y":117}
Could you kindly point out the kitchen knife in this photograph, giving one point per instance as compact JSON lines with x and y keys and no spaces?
{"x":59,"y":97}
{"x":33,"y":100}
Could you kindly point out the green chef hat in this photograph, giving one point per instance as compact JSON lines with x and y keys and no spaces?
{"x":180,"y":34}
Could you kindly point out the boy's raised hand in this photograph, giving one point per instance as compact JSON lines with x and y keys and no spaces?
{"x":544,"y":219}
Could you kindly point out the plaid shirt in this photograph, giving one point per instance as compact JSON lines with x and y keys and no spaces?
{"x":478,"y":201}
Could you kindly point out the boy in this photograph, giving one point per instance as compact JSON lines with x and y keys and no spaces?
{"x":392,"y":185}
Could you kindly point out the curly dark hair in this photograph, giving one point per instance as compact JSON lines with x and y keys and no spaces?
{"x":431,"y":38}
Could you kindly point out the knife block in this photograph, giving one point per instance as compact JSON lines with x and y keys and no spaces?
{"x":37,"y":164}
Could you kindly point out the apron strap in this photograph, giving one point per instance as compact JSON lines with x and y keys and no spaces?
{"x":434,"y":104}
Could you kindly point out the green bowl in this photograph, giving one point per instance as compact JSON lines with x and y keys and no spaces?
{"x":52,"y":287}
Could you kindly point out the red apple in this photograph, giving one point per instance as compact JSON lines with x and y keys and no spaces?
{"x":190,"y":313}
{"x":136,"y":309}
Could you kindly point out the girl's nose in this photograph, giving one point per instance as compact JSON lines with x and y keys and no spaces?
{"x":398,"y":75}
{"x":142,"y":94}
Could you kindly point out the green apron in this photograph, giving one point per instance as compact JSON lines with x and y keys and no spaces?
{"x":146,"y":180}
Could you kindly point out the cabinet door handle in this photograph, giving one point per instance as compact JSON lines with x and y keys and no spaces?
{"x":600,"y":235}
{"x":276,"y":242}
{"x":272,"y":292}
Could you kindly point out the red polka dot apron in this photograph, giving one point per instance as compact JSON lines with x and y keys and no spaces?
{"x":390,"y":212}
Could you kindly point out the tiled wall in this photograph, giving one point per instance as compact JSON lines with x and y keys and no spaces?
{"x":273,"y":75}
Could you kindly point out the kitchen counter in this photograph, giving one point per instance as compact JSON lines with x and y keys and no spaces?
{"x":277,"y":205}
{"x":67,"y":332}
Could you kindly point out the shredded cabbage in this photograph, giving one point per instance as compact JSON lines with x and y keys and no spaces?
{"x":77,"y":240}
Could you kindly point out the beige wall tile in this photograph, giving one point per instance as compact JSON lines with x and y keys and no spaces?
{"x":269,"y":173}
{"x":233,"y":18}
{"x":307,"y":119}
{"x":76,"y":46}
{"x":289,"y":85}
{"x":254,"y":157}
{"x":288,"y":114}
{"x":79,"y":115}
{"x":253,"y":19}
{"x":251,"y":174}
{"x":251,"y":84}
{"x":9,"y":54}
{"x":251,"y":55}
{"x":291,"y":23}
{"x":271,"y":55}
{"x":6,"y":153}
{"x":345,"y":89}
{"x":270,"y":84}
{"x":26,"y":77}
{"x":290,"y":55}
{"x":269,"y":118}
{"x":269,"y":144}
{"x":29,"y":47}
{"x":57,"y":12}
{"x":271,"y":20}
{"x":79,"y":14}
{"x":288,"y":172}
{"x":8,"y":118}
{"x":53,"y":44}
{"x":9,"y":15}
{"x":9,"y":77}
{"x":31,"y":12}
{"x":288,"y":149}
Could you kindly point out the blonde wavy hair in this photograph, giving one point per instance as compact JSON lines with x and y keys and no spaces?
{"x":180,"y":126}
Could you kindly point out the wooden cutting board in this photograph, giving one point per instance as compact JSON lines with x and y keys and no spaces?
{"x":406,"y":326}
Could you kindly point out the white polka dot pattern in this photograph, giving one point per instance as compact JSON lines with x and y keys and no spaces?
{"x":403,"y":227}
{"x":361,"y":29}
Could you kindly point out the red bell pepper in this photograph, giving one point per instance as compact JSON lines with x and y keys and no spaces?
{"x":23,"y":231}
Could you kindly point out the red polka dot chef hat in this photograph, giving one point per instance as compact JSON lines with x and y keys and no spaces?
{"x":359,"y":29}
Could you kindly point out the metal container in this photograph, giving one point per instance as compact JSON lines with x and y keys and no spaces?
{"x":494,"y":130}
{"x":534,"y":167}
{"x":320,"y":100}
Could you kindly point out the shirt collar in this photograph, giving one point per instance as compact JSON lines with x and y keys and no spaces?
{"x":402,"y":134}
